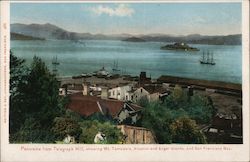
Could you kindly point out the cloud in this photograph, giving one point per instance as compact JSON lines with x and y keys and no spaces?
{"x":121,"y":10}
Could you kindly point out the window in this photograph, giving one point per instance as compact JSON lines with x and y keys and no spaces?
{"x":134,"y":136}
{"x":143,"y":136}
{"x":141,"y":90}
{"x":113,"y":93}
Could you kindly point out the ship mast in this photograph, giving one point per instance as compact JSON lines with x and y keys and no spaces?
{"x":212,"y":57}
{"x":203,"y":56}
{"x":115,"y":66}
{"x":55,"y":63}
{"x":208,"y":57}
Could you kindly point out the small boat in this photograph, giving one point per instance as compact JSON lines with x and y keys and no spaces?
{"x":207,"y":58}
{"x":115,"y":67}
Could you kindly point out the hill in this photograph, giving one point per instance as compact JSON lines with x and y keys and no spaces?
{"x":134,"y":39}
{"x":50,"y":31}
{"x":47,"y":31}
{"x":197,"y":39}
{"x":16,"y":36}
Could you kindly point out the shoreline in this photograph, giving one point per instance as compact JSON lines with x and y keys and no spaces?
{"x":196,"y":83}
{"x":155,"y":78}
{"x":200,"y":82}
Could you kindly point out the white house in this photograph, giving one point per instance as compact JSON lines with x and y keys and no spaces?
{"x":129,"y":111}
{"x":139,"y":94}
{"x":120,"y":93}
{"x":149,"y":92}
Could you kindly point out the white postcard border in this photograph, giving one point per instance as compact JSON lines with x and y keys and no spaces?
{"x":77,"y":152}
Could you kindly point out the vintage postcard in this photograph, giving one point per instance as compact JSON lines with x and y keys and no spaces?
{"x":124,"y":81}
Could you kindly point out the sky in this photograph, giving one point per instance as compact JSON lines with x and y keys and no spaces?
{"x":134,"y":18}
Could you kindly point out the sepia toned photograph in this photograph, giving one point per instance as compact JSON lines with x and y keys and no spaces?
{"x":126,"y":73}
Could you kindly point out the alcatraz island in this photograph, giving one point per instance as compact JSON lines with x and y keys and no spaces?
{"x":179,"y":46}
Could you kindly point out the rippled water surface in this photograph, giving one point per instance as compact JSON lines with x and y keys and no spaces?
{"x":88,"y":56}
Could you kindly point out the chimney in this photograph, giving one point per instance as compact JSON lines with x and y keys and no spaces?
{"x":85,"y":90}
{"x":190,"y":91}
{"x":104,"y":94}
{"x":143,"y":75}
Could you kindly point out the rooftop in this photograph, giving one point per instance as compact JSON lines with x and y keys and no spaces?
{"x":154,"y":89}
{"x":88,"y":105}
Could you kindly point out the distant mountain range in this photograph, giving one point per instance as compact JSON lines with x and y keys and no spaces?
{"x":15,"y":36}
{"x":50,"y":31}
{"x":134,"y":39}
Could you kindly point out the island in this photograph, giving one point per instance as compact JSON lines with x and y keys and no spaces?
{"x":16,"y":36}
{"x":179,"y":46}
{"x":134,"y":39}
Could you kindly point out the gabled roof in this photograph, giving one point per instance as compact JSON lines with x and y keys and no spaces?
{"x":84,"y":105}
{"x":135,"y":107}
{"x":154,"y":89}
{"x":88,"y":105}
{"x":112,"y":107}
{"x":120,"y":85}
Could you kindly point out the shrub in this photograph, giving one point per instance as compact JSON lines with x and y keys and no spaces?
{"x":91,"y":128}
{"x":66,"y":126}
{"x":185,"y":130}
{"x":167,"y":119}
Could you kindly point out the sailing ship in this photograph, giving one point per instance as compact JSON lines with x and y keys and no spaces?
{"x":207,"y":58}
{"x":115,"y":67}
{"x":55,"y":63}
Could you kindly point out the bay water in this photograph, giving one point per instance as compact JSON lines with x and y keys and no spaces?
{"x":84,"y":56}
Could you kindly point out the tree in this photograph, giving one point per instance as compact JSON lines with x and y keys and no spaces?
{"x":64,"y":126}
{"x":33,"y":96}
{"x":156,"y":118}
{"x":178,"y":99}
{"x":18,"y":74}
{"x":31,"y":132}
{"x":178,"y":94}
{"x":166,"y":119}
{"x":185,"y":130}
{"x":101,"y":117}
{"x":201,"y":109}
{"x":18,"y":82}
{"x":42,"y":96}
{"x":73,"y":115}
{"x":197,"y":107}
